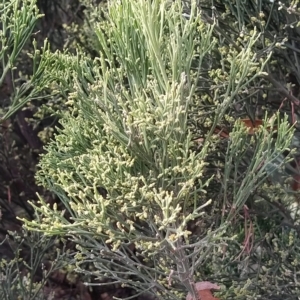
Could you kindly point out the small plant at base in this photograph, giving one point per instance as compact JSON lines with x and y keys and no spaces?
{"x":27,"y":274}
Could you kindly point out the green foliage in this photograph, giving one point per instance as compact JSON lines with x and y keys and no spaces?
{"x":18,"y":21}
{"x":125,"y":164}
{"x":17,"y":24}
{"x":277,"y":23}
{"x":266,"y":272}
{"x":24,"y":78}
{"x":25,"y":275}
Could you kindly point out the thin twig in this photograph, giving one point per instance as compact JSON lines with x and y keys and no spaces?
{"x":281,"y":89}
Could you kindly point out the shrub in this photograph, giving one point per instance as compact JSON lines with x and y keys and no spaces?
{"x":148,"y":189}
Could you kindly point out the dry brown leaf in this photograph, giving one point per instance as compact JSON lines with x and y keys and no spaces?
{"x":207,"y":295}
{"x":251,"y":126}
{"x":203,"y":288}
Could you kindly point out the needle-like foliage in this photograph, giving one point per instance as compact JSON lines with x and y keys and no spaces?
{"x":132,"y":162}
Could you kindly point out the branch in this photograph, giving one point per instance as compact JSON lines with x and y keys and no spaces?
{"x":282,"y":89}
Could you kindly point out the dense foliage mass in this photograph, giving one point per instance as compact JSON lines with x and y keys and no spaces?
{"x":173,"y":148}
